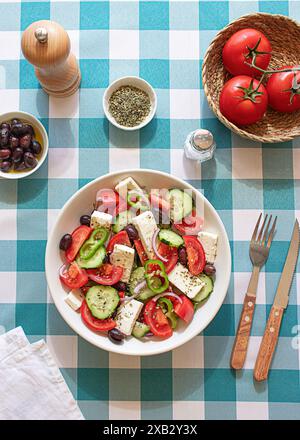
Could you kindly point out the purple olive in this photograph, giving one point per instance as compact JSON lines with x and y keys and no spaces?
{"x":25,"y":141}
{"x":14,"y":142}
{"x":17,"y":154}
{"x":132,"y":232}
{"x":5,"y":125}
{"x":30,"y":160}
{"x":4,"y":137}
{"x":36,"y":147}
{"x":85,"y":220}
{"x":65,"y":242}
{"x":5,"y":166}
{"x":209,"y":269}
{"x":116,"y":336}
{"x":182,"y":256}
{"x":20,"y":166}
{"x":29,"y":129}
{"x":5,"y":153}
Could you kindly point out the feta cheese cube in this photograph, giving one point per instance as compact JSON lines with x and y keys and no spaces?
{"x":209,"y":242}
{"x":126,"y":185}
{"x":127,"y":316}
{"x":75,"y":299}
{"x":183,"y":280}
{"x":101,"y":220}
{"x":123,"y":256}
{"x":146,"y":226}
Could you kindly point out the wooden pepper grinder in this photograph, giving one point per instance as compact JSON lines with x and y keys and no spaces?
{"x":46,"y":45}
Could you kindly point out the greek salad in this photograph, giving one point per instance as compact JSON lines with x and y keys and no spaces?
{"x":139,"y":262}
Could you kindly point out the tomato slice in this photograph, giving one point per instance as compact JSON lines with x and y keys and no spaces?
{"x":73,"y":276}
{"x":98,"y":325}
{"x":79,"y":235}
{"x":190,"y":225}
{"x":141,"y":251}
{"x":106,"y":274}
{"x":159,"y":203}
{"x":157,"y":321}
{"x":195,"y":254}
{"x":184,"y":309}
{"x":119,"y":238}
{"x":170,"y":253}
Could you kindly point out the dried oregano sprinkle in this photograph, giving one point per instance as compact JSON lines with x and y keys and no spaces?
{"x":129,"y":106}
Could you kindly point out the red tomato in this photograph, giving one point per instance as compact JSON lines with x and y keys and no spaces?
{"x":190,"y":225}
{"x":106,"y":274}
{"x":184,"y":309}
{"x":240,"y":103}
{"x":73,"y":276}
{"x":170,"y":253}
{"x":157,"y":321}
{"x":121,"y":294}
{"x":195,"y":254}
{"x":119,"y":238}
{"x":284,"y":90}
{"x":79,"y":235}
{"x":159,"y":203}
{"x":141,"y":251}
{"x":242,"y":47}
{"x":98,"y":325}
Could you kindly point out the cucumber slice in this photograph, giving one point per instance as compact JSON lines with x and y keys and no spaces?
{"x":206,"y":289}
{"x":181,"y":204}
{"x":171,"y":238}
{"x":95,"y":261}
{"x":102,"y":301}
{"x":140,"y":330}
{"x":122,"y":220}
{"x":137,"y":276}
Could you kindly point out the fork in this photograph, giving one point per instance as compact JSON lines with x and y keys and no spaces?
{"x":259,"y":251}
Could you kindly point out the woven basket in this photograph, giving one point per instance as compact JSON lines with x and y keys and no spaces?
{"x":284,"y":35}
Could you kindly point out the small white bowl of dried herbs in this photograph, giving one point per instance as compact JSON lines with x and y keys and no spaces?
{"x":129,"y":103}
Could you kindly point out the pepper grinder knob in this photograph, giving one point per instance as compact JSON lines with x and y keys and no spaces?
{"x":46,"y":45}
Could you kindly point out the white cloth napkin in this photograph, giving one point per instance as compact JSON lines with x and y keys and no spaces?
{"x":31,"y":385}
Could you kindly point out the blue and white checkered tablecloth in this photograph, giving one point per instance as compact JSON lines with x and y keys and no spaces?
{"x":161,"y":41}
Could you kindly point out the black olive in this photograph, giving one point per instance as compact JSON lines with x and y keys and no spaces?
{"x":132,"y":232}
{"x":19,"y":129}
{"x":120,"y":286}
{"x":29,"y":129}
{"x":17,"y":154}
{"x":36,"y":147}
{"x":5,"y":166}
{"x":182,"y":256}
{"x":106,"y":259}
{"x":5,"y":153}
{"x":25,"y":141}
{"x":85,"y":220}
{"x":65,"y":242}
{"x":14,"y":142}
{"x":209,"y":269}
{"x":30,"y":160}
{"x":116,"y":336}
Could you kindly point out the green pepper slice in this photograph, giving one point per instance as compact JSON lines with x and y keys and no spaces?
{"x":97,"y":239}
{"x":168,"y":309}
{"x":156,"y":277}
{"x":137,"y":200}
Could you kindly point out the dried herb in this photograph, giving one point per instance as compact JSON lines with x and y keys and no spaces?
{"x":129,"y":106}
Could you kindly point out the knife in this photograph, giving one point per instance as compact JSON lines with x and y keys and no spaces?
{"x":270,"y":337}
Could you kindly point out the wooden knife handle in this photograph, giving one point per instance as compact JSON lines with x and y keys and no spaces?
{"x":268,"y":344}
{"x":240,"y":345}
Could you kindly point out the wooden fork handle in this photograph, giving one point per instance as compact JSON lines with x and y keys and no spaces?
{"x":240,"y":345}
{"x":268,"y":344}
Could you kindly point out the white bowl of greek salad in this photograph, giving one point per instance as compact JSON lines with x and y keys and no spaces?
{"x":138,"y":262}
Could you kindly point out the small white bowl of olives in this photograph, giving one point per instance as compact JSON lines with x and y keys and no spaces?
{"x":23,"y":145}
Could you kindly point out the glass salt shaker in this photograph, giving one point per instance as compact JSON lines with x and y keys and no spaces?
{"x":199,"y":145}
